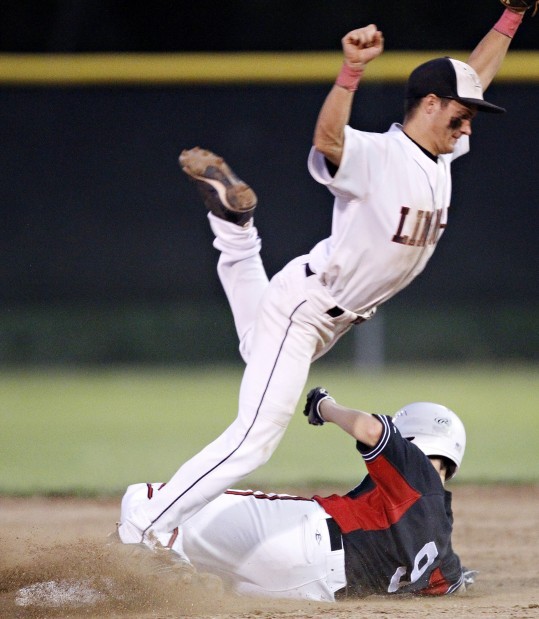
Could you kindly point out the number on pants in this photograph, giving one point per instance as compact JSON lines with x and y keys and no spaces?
{"x":423,"y":559}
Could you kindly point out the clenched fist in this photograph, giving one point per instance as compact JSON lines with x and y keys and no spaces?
{"x":362,"y":45}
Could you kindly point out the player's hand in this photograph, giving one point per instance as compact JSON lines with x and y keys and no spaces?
{"x":362,"y":45}
{"x":312,"y":405}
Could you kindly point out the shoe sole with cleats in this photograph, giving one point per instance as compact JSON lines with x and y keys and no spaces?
{"x":224,"y":193}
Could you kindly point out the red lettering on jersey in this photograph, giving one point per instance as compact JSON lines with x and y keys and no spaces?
{"x":426,"y":229}
{"x":398,"y":238}
{"x":437,"y":226}
{"x":423,"y":233}
{"x":418,"y":218}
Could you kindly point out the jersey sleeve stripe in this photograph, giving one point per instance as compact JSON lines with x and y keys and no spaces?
{"x":386,"y":433}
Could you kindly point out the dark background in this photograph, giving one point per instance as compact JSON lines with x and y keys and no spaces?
{"x":106,"y":254}
{"x":207,"y":25}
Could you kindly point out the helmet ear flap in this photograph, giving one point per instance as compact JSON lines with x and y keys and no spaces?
{"x":448,"y":465}
{"x":451,"y":468}
{"x":436,"y":430}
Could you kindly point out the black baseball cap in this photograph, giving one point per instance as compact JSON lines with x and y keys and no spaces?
{"x":450,"y":79}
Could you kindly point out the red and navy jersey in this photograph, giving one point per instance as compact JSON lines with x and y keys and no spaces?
{"x":396,"y":525}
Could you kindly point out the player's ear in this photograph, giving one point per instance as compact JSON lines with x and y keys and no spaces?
{"x":430,"y":103}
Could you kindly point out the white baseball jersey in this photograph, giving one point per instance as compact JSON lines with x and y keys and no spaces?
{"x":390,"y":209}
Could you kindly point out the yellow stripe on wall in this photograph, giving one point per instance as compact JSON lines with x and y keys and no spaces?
{"x":227,"y":68}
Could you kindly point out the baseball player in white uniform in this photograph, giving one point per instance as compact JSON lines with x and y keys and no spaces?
{"x":392,"y":194}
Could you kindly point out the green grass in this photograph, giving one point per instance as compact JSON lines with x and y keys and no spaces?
{"x":98,"y":431}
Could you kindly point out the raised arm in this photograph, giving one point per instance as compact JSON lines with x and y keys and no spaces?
{"x":321,"y":407}
{"x":360,"y":46}
{"x":489,"y":54}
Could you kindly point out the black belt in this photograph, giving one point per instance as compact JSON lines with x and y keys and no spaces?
{"x":308,"y":270}
{"x":335,"y":537}
{"x":336,"y":311}
{"x":332,"y":311}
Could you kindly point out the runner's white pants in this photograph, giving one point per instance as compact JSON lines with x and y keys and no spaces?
{"x":282,"y":326}
{"x":259,"y":544}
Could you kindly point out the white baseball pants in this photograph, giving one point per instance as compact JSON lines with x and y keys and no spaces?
{"x":260,"y":545}
{"x":282,"y":327}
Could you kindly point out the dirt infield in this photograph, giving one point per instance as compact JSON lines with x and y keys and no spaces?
{"x":60,"y":541}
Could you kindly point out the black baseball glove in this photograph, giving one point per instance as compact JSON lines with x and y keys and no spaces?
{"x":312,"y":406}
{"x":521,"y":5}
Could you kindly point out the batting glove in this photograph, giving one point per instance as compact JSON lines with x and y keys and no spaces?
{"x":312,"y":406}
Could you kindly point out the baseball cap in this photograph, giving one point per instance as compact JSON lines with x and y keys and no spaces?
{"x":450,"y":79}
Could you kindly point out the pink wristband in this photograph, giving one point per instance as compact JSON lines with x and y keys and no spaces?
{"x":349,"y":78}
{"x":508,"y":23}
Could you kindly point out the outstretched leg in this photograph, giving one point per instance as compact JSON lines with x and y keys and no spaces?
{"x":291,"y":327}
{"x":231,"y":203}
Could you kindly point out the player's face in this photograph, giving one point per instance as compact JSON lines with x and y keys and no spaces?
{"x":452,"y":121}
